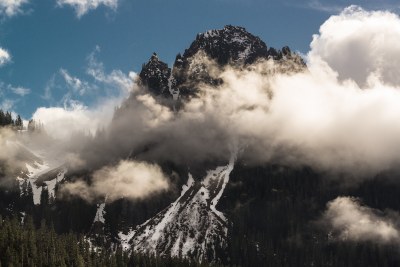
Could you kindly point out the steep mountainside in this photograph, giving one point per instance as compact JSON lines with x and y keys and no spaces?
{"x":191,"y":226}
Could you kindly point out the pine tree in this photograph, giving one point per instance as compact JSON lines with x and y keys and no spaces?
{"x":19,"y":123}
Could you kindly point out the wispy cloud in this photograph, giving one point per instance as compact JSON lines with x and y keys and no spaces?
{"x":7,"y":104}
{"x":74,"y":83}
{"x":82,"y":7}
{"x":19,"y":90}
{"x":329,"y":8}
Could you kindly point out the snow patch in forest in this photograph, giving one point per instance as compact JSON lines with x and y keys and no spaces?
{"x":100,"y":213}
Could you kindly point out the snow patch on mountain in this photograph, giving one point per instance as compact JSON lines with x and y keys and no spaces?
{"x":34,"y":172}
{"x":100,"y":213}
{"x":191,"y":226}
{"x":46,"y":173}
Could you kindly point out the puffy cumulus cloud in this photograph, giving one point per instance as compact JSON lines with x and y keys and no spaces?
{"x":348,"y":220}
{"x":11,"y":8}
{"x":74,"y":117}
{"x":360,"y":45}
{"x":128,"y":179}
{"x":84,"y":6}
{"x":5,"y":56}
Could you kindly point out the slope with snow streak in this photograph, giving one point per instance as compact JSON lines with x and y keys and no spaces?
{"x":43,"y":175}
{"x":189,"y":227}
{"x":43,"y":168}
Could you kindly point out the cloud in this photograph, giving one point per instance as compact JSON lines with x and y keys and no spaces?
{"x":369,"y":39}
{"x":334,"y":118}
{"x":7,"y":104}
{"x":10,"y":8}
{"x":77,"y":86}
{"x":128,"y":179}
{"x":320,"y":6}
{"x":5,"y":57}
{"x":348,"y":220}
{"x":13,"y":157}
{"x":19,"y":90}
{"x":114,"y":79}
{"x":107,"y":89}
{"x":76,"y":117}
{"x":84,"y":6}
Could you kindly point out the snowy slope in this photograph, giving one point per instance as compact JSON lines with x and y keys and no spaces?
{"x":46,"y":170}
{"x":189,"y":227}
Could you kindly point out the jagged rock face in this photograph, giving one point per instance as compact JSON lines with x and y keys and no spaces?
{"x":155,"y":76}
{"x":228,"y":46}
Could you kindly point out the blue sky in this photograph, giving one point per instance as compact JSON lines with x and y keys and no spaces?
{"x":60,"y":52}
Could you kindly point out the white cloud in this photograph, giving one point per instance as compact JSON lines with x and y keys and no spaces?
{"x":5,"y":56}
{"x":19,"y":90}
{"x":84,"y":6}
{"x":7,"y":104}
{"x":360,"y":45}
{"x":347,"y":219}
{"x":77,"y":86}
{"x":11,"y":8}
{"x":128,"y":179}
{"x":115,"y":78}
{"x":329,"y":8}
{"x":74,"y":115}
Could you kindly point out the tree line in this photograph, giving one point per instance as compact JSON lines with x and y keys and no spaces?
{"x":21,"y":244}
{"x":6,"y":119}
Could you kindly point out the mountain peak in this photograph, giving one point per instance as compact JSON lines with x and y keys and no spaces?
{"x":230,"y":44}
{"x":154,"y":57}
{"x":155,"y":74}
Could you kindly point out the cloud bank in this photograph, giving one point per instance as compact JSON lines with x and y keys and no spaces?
{"x":334,"y":118}
{"x":331,"y":117}
{"x":348,"y":220}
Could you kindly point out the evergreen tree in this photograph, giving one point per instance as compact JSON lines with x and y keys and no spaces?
{"x":19,"y":123}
